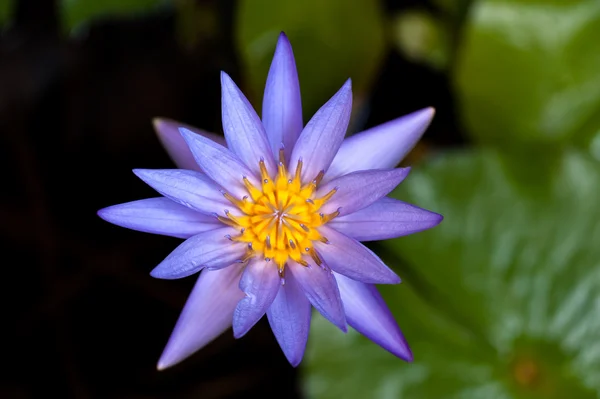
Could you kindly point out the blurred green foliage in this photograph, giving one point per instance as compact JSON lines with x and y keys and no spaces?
{"x":528,"y":71}
{"x":77,"y":13}
{"x":422,"y":38}
{"x":499,"y":301}
{"x":333,"y":40}
{"x":6,"y":7}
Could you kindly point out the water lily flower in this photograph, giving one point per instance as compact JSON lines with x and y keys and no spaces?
{"x":273,"y":214}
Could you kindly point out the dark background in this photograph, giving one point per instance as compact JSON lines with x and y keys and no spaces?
{"x":82,"y":317}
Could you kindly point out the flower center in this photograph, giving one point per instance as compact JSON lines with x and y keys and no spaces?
{"x":280,"y":218}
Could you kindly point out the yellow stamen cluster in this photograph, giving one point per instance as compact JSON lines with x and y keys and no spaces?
{"x":280,"y":218}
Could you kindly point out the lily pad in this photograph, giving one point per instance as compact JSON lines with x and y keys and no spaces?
{"x":527,"y":71}
{"x":333,"y":40}
{"x":502,"y":300}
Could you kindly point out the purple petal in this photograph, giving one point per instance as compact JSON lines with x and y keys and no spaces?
{"x":220,"y":164}
{"x":260,"y":282}
{"x":347,"y":256}
{"x":206,"y":314}
{"x":186,"y":187}
{"x":321,"y":138}
{"x":320,"y":288}
{"x":358,"y":190}
{"x":244,"y":132}
{"x":282,"y":105}
{"x":368,"y":314}
{"x":380,"y":147}
{"x":170,"y":138}
{"x":159,"y":216}
{"x":289,"y":317}
{"x":212,"y":249}
{"x":385,"y":218}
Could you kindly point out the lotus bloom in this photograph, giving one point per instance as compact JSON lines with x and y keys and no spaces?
{"x":272,"y":216}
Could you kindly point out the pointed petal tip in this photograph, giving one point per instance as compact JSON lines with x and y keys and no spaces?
{"x":295,"y":362}
{"x":227,"y":81}
{"x":340,"y":321}
{"x":186,"y":133}
{"x":238,"y":334}
{"x":348,"y":84}
{"x":397,"y":347}
{"x":143,"y":174}
{"x":105,"y":214}
{"x":139,"y":172}
{"x":345,"y":91}
{"x":163,"y":126}
{"x":225,"y":78}
{"x":391,"y":279}
{"x":160,"y":121}
{"x":101,"y":213}
{"x":159,"y":273}
{"x":425,"y":115}
{"x":161,"y":366}
{"x":403,"y":352}
{"x":189,"y":136}
{"x":167,"y":360}
{"x":283,"y":40}
{"x":154,"y":273}
{"x":157,"y":122}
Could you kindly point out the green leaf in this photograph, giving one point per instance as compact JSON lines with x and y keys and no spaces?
{"x":527,"y":71}
{"x":77,"y":13}
{"x":499,"y":301}
{"x":333,"y":40}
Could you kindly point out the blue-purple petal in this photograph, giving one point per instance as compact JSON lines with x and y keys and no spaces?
{"x":368,"y":314}
{"x":380,"y":147}
{"x":347,"y":256}
{"x":220,"y":164}
{"x":384,"y":219}
{"x":323,"y":134}
{"x":212,"y":249}
{"x":282,"y":105}
{"x":244,"y":132}
{"x":159,"y":216}
{"x":167,"y":131}
{"x":186,"y":187}
{"x":320,"y":288}
{"x":360,"y":189}
{"x":289,"y":317}
{"x":260,"y":282}
{"x":206,"y":314}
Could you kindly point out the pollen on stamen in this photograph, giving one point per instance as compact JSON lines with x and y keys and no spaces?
{"x":280,"y":217}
